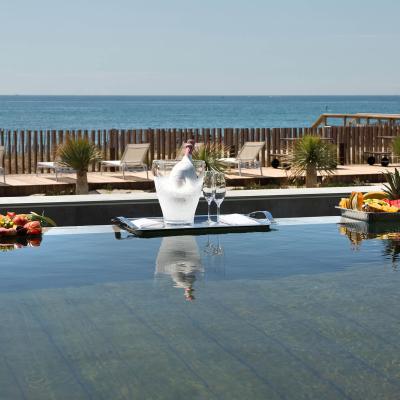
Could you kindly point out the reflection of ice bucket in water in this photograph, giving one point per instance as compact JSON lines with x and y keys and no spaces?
{"x":178,"y":191}
{"x":179,"y":257}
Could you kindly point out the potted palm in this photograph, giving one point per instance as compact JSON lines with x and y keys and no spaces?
{"x":309,"y":155}
{"x":392,"y":185}
{"x":78,"y":154}
{"x":211,"y":153}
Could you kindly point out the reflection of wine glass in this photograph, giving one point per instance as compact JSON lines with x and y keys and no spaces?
{"x":212,"y":248}
{"x":208,"y":190}
{"x":220,"y":190}
{"x":218,"y":249}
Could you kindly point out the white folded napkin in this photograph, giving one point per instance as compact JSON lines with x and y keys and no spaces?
{"x":237,"y":219}
{"x":145,"y":223}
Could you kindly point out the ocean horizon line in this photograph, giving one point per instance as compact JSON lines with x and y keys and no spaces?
{"x":198,"y":95}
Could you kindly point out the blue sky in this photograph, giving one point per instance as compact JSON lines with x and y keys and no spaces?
{"x":203,"y":47}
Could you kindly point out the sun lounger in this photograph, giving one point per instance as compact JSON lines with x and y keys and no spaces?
{"x":55,"y":166}
{"x":247,"y":156}
{"x":135,"y":155}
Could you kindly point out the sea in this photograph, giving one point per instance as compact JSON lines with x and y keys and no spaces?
{"x":131,"y":112}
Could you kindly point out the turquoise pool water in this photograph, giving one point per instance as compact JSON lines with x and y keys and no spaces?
{"x":296,"y":313}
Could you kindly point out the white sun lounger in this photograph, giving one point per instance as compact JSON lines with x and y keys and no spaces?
{"x":134,"y":156}
{"x":247,"y":155}
{"x":55,"y":166}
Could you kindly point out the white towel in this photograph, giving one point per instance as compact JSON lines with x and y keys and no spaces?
{"x":237,"y":219}
{"x":146,"y":223}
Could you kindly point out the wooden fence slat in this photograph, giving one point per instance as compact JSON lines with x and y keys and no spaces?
{"x":219,"y":136}
{"x":152,"y":152}
{"x":279,"y":141}
{"x":158,"y":143}
{"x":15,"y":151}
{"x":261,"y":138}
{"x":2,"y":143}
{"x":168,"y":144}
{"x":29,"y":150}
{"x":353,"y":138}
{"x":239,"y":140}
{"x":174,"y":145}
{"x":122,"y":142}
{"x":163,"y":144}
{"x":104,"y":145}
{"x":140,"y":136}
{"x":117,"y":136}
{"x":266,"y":136}
{"x":9,"y":152}
{"x":48,"y":147}
{"x":22,"y":136}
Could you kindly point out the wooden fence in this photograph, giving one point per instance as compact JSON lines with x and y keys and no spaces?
{"x":24,"y":148}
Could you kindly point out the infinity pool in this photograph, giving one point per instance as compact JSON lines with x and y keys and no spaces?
{"x":300,"y":312}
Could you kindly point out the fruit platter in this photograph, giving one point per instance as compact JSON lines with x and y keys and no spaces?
{"x":370,"y":207}
{"x":21,"y":230}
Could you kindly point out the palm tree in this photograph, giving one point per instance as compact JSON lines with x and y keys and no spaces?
{"x":79,"y":154}
{"x":211,"y":153}
{"x":311,"y":154}
{"x":392,"y":185}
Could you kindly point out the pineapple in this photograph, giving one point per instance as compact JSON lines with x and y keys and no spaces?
{"x":392,"y":186}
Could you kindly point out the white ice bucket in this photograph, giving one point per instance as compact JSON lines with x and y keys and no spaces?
{"x":178,"y":197}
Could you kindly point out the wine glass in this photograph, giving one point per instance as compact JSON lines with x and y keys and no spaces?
{"x":219,"y":190}
{"x":208,"y":190}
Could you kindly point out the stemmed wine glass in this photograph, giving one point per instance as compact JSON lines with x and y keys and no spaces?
{"x":208,"y":191}
{"x":219,"y":191}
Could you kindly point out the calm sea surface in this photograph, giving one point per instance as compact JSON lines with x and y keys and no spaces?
{"x":86,"y":112}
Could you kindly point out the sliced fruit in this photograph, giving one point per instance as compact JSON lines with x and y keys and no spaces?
{"x":375,"y":195}
{"x":344,"y":203}
{"x":356,"y":201}
{"x":395,"y":203}
{"x":375,"y":205}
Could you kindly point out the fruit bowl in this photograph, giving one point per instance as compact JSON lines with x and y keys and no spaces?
{"x":14,"y":225}
{"x":370,"y":217}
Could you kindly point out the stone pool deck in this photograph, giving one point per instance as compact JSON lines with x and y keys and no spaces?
{"x":98,"y":209}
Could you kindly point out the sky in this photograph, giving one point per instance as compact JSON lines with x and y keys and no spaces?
{"x":202,"y":47}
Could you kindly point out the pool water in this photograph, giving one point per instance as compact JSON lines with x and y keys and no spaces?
{"x":300,"y":312}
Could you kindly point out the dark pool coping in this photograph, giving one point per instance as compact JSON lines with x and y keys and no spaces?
{"x":144,"y":196}
{"x":99,"y":209}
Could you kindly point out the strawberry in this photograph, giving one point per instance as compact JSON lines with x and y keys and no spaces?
{"x":10,"y":215}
